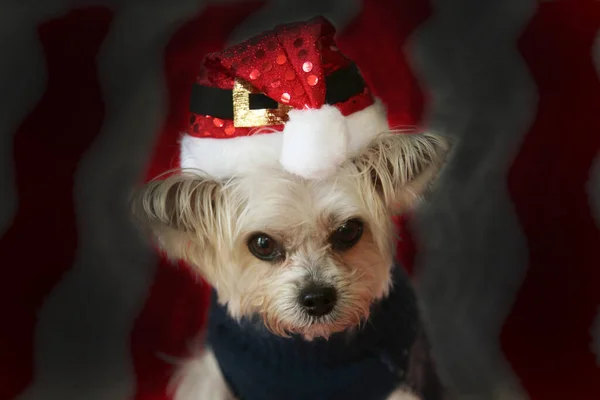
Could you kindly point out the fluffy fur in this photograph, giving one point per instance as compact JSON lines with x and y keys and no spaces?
{"x":207,"y":222}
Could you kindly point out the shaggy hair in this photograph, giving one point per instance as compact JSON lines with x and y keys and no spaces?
{"x":208,"y":223}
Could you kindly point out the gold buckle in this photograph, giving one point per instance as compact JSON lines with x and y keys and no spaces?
{"x":244,"y":117}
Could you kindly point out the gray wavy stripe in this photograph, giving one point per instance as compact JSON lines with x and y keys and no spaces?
{"x":474,"y":254}
{"x":594,"y":195}
{"x":82,"y":341}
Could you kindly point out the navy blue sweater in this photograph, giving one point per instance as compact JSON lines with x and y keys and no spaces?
{"x":364,"y":365}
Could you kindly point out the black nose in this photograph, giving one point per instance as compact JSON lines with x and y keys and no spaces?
{"x":318,"y":300}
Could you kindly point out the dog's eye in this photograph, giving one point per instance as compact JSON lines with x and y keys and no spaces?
{"x":264,"y":247}
{"x":347,"y":235}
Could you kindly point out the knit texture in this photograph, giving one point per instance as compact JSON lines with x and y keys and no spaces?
{"x":367,"y":364}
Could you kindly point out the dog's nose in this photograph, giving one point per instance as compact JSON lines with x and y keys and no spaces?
{"x":318,"y":300}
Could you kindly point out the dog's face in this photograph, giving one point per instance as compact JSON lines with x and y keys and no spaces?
{"x":309,"y":257}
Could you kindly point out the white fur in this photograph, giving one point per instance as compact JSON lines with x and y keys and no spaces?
{"x":315,"y":142}
{"x":200,"y":379}
{"x":223,"y":158}
{"x":401,"y":394}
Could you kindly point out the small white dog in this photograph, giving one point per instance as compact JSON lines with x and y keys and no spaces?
{"x":310,"y":258}
{"x":289,"y":181}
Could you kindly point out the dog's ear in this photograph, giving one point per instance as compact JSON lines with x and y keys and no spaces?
{"x":401,"y":167}
{"x":179,"y":209}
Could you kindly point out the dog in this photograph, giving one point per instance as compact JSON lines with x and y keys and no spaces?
{"x":305,"y":268}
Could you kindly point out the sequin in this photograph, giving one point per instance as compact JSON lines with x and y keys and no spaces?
{"x":206,"y":133}
{"x":267,"y":66}
{"x":229,"y":130}
{"x":281,"y":59}
{"x":290,"y":75}
{"x":271,"y":57}
{"x":254,"y":74}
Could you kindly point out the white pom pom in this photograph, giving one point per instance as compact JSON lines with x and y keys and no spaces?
{"x":315,"y":142}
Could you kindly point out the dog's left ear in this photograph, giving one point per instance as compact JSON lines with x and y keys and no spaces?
{"x":402,"y":167}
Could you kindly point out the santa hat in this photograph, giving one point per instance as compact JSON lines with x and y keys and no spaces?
{"x":287,"y":96}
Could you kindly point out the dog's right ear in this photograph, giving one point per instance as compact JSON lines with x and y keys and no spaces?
{"x":179,"y":209}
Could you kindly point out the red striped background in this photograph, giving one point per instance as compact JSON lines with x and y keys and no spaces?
{"x":547,"y":337}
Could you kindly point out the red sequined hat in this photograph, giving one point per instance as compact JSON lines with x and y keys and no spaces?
{"x":287,"y":96}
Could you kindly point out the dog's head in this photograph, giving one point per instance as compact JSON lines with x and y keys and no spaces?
{"x":309,"y":257}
